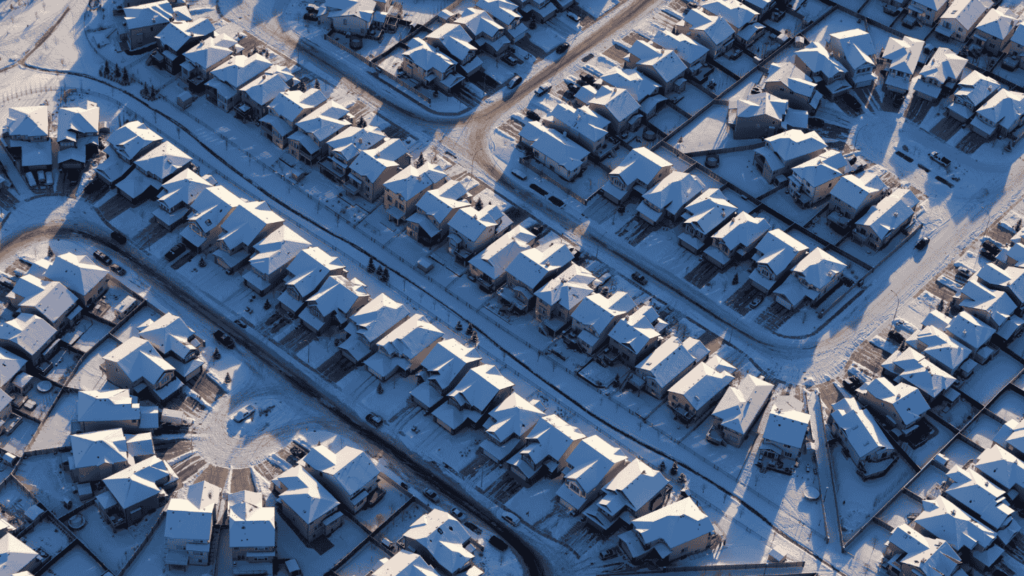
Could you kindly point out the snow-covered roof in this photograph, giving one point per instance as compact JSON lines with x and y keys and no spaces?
{"x":734,"y":12}
{"x":672,"y":526}
{"x":455,"y":40}
{"x":976,"y":87}
{"x":250,"y":523}
{"x":971,"y":490}
{"x":169,"y":335}
{"x":191,"y":517}
{"x":347,"y":468}
{"x":671,"y":358}
{"x":903,"y":54}
{"x":182,"y":189}
{"x":673,"y":193}
{"x":25,"y":122}
{"x":742,"y":230}
{"x":513,"y":418}
{"x":277,"y":250}
{"x":240,"y":69}
{"x":73,"y":121}
{"x":823,"y":168}
{"x":28,"y":333}
{"x":442,"y":202}
{"x":533,"y":265}
{"x":414,"y":180}
{"x":637,"y":329}
{"x":15,"y":555}
{"x":1009,"y":279}
{"x":818,"y":268}
{"x":495,"y":259}
{"x":862,"y":432}
{"x":665,"y":66}
{"x":742,"y":402}
{"x":819,"y":62}
{"x":338,"y":294}
{"x":139,"y":482}
{"x":591,"y":461}
{"x":378,"y":316}
{"x":1003,"y":109}
{"x":472,"y":223}
{"x":443,"y":539}
{"x":762,"y":105}
{"x":792,"y":77}
{"x":906,"y":400}
{"x":855,"y":46}
{"x":998,"y":305}
{"x":853,"y":192}
{"x":148,"y":15}
{"x":372,"y":164}
{"x":632,"y":488}
{"x":640,"y":166}
{"x":617,"y":102}
{"x":967,"y":330}
{"x":890,"y":213}
{"x":549,"y":439}
{"x":163,"y":161}
{"x":211,"y":207}
{"x":638,"y":85}
{"x":110,"y":405}
{"x":599,"y":311}
{"x":139,"y":359}
{"x":787,"y":426}
{"x":710,"y":209}
{"x":912,"y":367}
{"x":688,"y":50}
{"x":324,"y":122}
{"x":410,"y":338}
{"x":1001,"y":467}
{"x":554,"y":145}
{"x":944,"y":65}
{"x":926,"y":556}
{"x":583,"y":121}
{"x":310,"y":268}
{"x":52,"y":303}
{"x":447,"y":360}
{"x":210,"y":51}
{"x":347,"y":145}
{"x":304,"y":495}
{"x":1011,"y":435}
{"x":966,"y":12}
{"x":793,"y":144}
{"x":568,"y":288}
{"x":503,"y":12}
{"x":268,"y":85}
{"x":939,"y":347}
{"x":704,"y":382}
{"x":98,"y":448}
{"x":247,"y":224}
{"x":716,"y":29}
{"x":423,"y":56}
{"x":947,"y":521}
{"x":404,"y":564}
{"x":479,"y":387}
{"x":292,"y":104}
{"x":176,"y":34}
{"x":132,"y":139}
{"x":479,"y":23}
{"x":10,"y":366}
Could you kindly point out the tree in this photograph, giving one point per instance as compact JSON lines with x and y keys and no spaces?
{"x":361,"y":123}
{"x":469,"y":329}
{"x":266,"y":304}
{"x":736,"y":279}
{"x":622,"y":208}
{"x":385,"y":275}
{"x":420,"y":161}
{"x":479,"y":204}
{"x":227,"y":378}
{"x":316,"y":84}
{"x":216,"y":353}
{"x":106,"y":69}
{"x":458,"y":327}
{"x":475,"y":338}
{"x":124,"y":75}
{"x":117,"y":71}
{"x":370,"y":267}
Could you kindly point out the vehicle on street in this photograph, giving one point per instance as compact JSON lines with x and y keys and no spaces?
{"x":510,"y":518}
{"x":224,"y":339}
{"x":241,"y":323}
{"x":936,"y":157}
{"x":562,"y":48}
{"x":609,"y":554}
{"x":458,"y":513}
{"x":175,"y":251}
{"x":430,"y":494}
{"x":639,"y":278}
{"x":116,"y":269}
{"x":543,"y":89}
{"x":515,"y":81}
{"x":244,"y":414}
{"x":922,"y":242}
{"x":102,"y":257}
{"x":573,"y":16}
{"x":476,"y":529}
{"x":498,"y":543}
{"x":374,"y":419}
{"x":118,"y":237}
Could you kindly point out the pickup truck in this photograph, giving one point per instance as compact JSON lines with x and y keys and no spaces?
{"x":945,"y":162}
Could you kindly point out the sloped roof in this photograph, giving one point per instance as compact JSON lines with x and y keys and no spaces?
{"x":929,"y":556}
{"x":947,"y":521}
{"x":443,"y":538}
{"x":424,"y":57}
{"x":495,"y":259}
{"x":98,"y":448}
{"x":590,"y":126}
{"x":598,"y":310}
{"x":532,"y":266}
{"x":211,"y":207}
{"x":890,"y":212}
{"x":268,"y":85}
{"x":413,"y":336}
{"x":688,"y":50}
{"x":168,"y":334}
{"x":250,"y":523}
{"x":794,"y":143}
{"x":708,"y":210}
{"x":638,"y":85}
{"x":338,"y":293}
{"x":825,"y":167}
{"x":349,"y":468}
{"x":638,"y":483}
{"x":310,"y":268}
{"x":15,"y":555}
{"x":913,"y":368}
{"x":819,"y":61}
{"x":28,"y":122}
{"x":479,"y":22}
{"x":291,"y":104}
{"x":742,"y":402}
{"x":139,"y":359}
{"x":239,"y":70}
{"x":671,"y":358}
{"x":27,"y":332}
{"x":637,"y":329}
{"x":413,"y":180}
{"x":183,"y":188}
{"x":905,"y":399}
{"x":554,"y":145}
{"x":734,"y":12}
{"x":514,"y":417}
{"x":944,"y":65}
{"x":592,"y":459}
{"x":247,"y":223}
{"x":163,"y":161}
{"x":447,"y":359}
{"x":569,"y":288}
{"x":51,"y":303}
{"x":472,"y":223}
{"x":404,"y":563}
{"x":862,"y":431}
{"x":786,"y":426}
{"x":973,"y":491}
{"x":304,"y":495}
{"x":211,"y":50}
{"x":132,"y":138}
{"x":277,"y":250}
{"x":479,"y":386}
{"x":939,"y":347}
{"x":78,"y":120}
{"x":378,"y":316}
{"x":550,"y":438}
{"x":674,"y":525}
{"x":10,"y":365}
{"x":146,"y":15}
{"x":176,"y":34}
{"x":742,"y":230}
{"x":191,"y":517}
{"x":640,"y":165}
{"x":107,"y":406}
{"x":704,"y":382}
{"x":618,"y":102}
{"x":819,"y":267}
{"x":903,"y":54}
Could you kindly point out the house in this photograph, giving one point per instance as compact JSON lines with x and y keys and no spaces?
{"x":144,"y":21}
{"x":96,"y":455}
{"x":29,"y":337}
{"x":271,"y":257}
{"x":19,"y":559}
{"x":991,"y":307}
{"x":337,"y":298}
{"x":786,"y":150}
{"x":1009,"y":280}
{"x":371,"y":169}
{"x":812,"y":279}
{"x":635,"y":491}
{"x":1014,"y":47}
{"x":1001,"y":467}
{"x":176,"y":342}
{"x":176,"y":38}
{"x":1000,"y":115}
{"x":702,"y":217}
{"x":898,"y":405}
{"x":856,"y":51}
{"x":310,"y":509}
{"x":939,"y":347}
{"x":822,"y":69}
{"x":188,"y":525}
{"x":812,"y":181}
{"x":736,"y":240}
{"x":899,"y":60}
{"x":756,"y":115}
{"x":442,"y":541}
{"x":507,"y":425}
{"x":347,"y":473}
{"x":850,"y":198}
{"x":738,"y":410}
{"x":981,"y":498}
{"x":252,"y":533}
{"x":343,"y":149}
{"x":911,"y":367}
{"x":861,"y":438}
{"x":548,"y":446}
{"x":25,"y":287}
{"x":944,"y":520}
{"x":107,"y":409}
{"x":588,"y":469}
{"x":942,"y":73}
{"x":669,"y":196}
{"x":241,"y":230}
{"x":595,"y":317}
{"x":135,"y":491}
{"x":55,"y":304}
{"x":403,"y":191}
{"x":670,"y":361}
{"x":425,"y":65}
{"x":785,"y":433}
{"x":960,"y":18}
{"x":355,"y":17}
{"x":434,"y":210}
{"x":678,"y":530}
{"x":634,"y":336}
{"x":690,"y":52}
{"x":667,"y":69}
{"x":203,"y":58}
{"x":890,"y":216}
{"x":557,"y":300}
{"x":534,"y":267}
{"x":457,"y":43}
{"x":369,"y":324}
{"x":788,"y":82}
{"x":78,"y":136}
{"x":174,"y":201}
{"x":286,"y":110}
{"x":488,"y":268}
{"x":713,"y":32}
{"x":208,"y":212}
{"x":26,"y":137}
{"x":971,"y":93}
{"x":470,"y":401}
{"x":487,"y":33}
{"x":553,"y":150}
{"x":261,"y":91}
{"x":305,"y":274}
{"x":970,"y":332}
{"x":638,"y":86}
{"x":403,"y":349}
{"x":582,"y":125}
{"x":471,"y":229}
{"x":227,"y":80}
{"x":693,"y":395}
{"x":927,"y":12}
{"x":444,"y":367}
{"x":639,"y":171}
{"x":909,"y":552}
{"x":308,"y":143}
{"x":403,"y":564}
{"x":617,"y":105}
{"x":135,"y":363}
{"x":10,"y":366}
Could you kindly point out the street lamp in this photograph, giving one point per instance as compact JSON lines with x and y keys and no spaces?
{"x":896,"y":311}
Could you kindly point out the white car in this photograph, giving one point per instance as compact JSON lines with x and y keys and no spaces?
{"x":244,"y":414}
{"x":543,"y":89}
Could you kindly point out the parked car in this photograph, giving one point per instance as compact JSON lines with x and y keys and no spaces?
{"x":472,"y":527}
{"x":458,"y":513}
{"x":573,"y":16}
{"x":241,"y":323}
{"x":224,"y":339}
{"x":498,"y":543}
{"x":244,"y":414}
{"x":102,"y":257}
{"x":374,"y":419}
{"x":543,"y":89}
{"x":936,"y":157}
{"x":510,"y":518}
{"x":609,"y":553}
{"x":118,"y":237}
{"x":430,"y":494}
{"x":640,"y":278}
{"x":177,"y":250}
{"x":562,"y":48}
{"x":11,"y":423}
{"x":515,"y":81}
{"x":116,"y":269}
{"x":922,"y":242}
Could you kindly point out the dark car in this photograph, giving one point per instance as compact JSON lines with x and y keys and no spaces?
{"x":225,"y":340}
{"x":430,"y":494}
{"x":922,"y":242}
{"x":498,"y":543}
{"x":116,"y":269}
{"x":102,"y":257}
{"x":640,"y":278}
{"x":175,"y":251}
{"x":372,"y":418}
{"x":515,"y":81}
{"x":562,"y":48}
{"x":852,"y":102}
{"x":472,"y":527}
{"x":118,"y":237}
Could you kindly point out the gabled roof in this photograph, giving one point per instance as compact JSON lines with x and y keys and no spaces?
{"x":424,"y":57}
{"x":410,"y":338}
{"x":98,"y":448}
{"x":637,"y":329}
{"x":211,"y":207}
{"x":239,"y":70}
{"x":976,"y":87}
{"x":818,"y":268}
{"x":673,"y":525}
{"x":1001,"y":467}
{"x":638,"y":85}
{"x":192,"y":517}
{"x":176,"y":34}
{"x":640,"y":166}
{"x":777,"y":250}
{"x":533,"y":265}
{"x":966,"y":12}
{"x":688,"y":50}
{"x":618,"y":102}
{"x":903,"y":54}
{"x":277,"y":250}
{"x":704,"y":382}
{"x":818,"y":61}
{"x":513,"y":418}
{"x":479,"y":22}
{"x":793,"y":144}
{"x":404,"y":564}
{"x":762,"y":105}
{"x":708,"y":210}
{"x":28,"y":122}
{"x":168,"y":334}
{"x":979,"y":496}
{"x":598,"y":310}
{"x":823,"y":168}
{"x":638,"y":483}
{"x":182,"y":189}
{"x":293,"y":103}
{"x":503,"y":12}
{"x":455,"y":40}
{"x":324,"y":122}
{"x":550,"y":438}
{"x":131,"y":139}
{"x":268,"y":85}
{"x":734,"y":12}
{"x":554,"y":145}
{"x":146,"y":15}
{"x":107,"y":406}
{"x":479,"y":387}
{"x":969,"y":331}
{"x":494,"y":260}
{"x":443,"y":539}
{"x":906,"y":400}
{"x":310,"y":268}
{"x":250,"y":523}
{"x":890,"y":213}
{"x":787,"y":426}
{"x":568,"y":288}
{"x":137,"y":358}
{"x":716,"y":29}
{"x":247,"y":223}
{"x":671,"y":358}
{"x":592,"y":459}
{"x":27,"y":332}
{"x":913,"y":368}
{"x":211,"y":50}
{"x":10,"y":366}
{"x":742,"y":230}
{"x":349,"y":468}
{"x":15,"y":555}
{"x":665,"y":66}
{"x":163,"y":161}
{"x":378,"y":316}
{"x":862,"y":432}
{"x":1003,"y":109}
{"x":742,"y":403}
{"x":472,"y":223}
{"x":996,"y":304}
{"x":414,"y":180}
{"x":139,"y":482}
{"x":304,"y":495}
{"x":855,"y":46}
{"x":75,"y":120}
{"x":947,"y":521}
{"x":939,"y":347}
{"x":338,"y":293}
{"x":928,"y":556}
{"x":945,"y":65}
{"x":52,"y":303}
{"x":590,"y":126}
{"x":853,"y":191}
{"x":446,"y":361}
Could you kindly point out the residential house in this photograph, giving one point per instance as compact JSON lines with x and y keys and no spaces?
{"x":446,"y":364}
{"x":812,"y":181}
{"x":136,"y":363}
{"x":471,"y":229}
{"x":347,"y":473}
{"x":861,"y":438}
{"x":634,"y":336}
{"x":369,"y":324}
{"x":788,"y":82}
{"x":713,"y":32}
{"x":305,"y":274}
{"x":738,"y":410}
{"x":107,"y":409}
{"x":944,"y":520}
{"x":258,"y":94}
{"x":488,"y":268}
{"x":434,"y":210}
{"x":470,"y":401}
{"x":227,"y":80}
{"x":639,"y":171}
{"x":899,"y":60}
{"x":271,"y":257}
{"x":486,"y":32}
{"x":1014,"y":47}
{"x":176,"y":197}
{"x":856,"y":51}
{"x":457,"y":43}
{"x":939,"y":347}
{"x":582,"y":125}
{"x":822,"y":69}
{"x":132,"y":493}
{"x":785,"y":433}
{"x":702,"y":217}
{"x":208,"y":212}
{"x":252,"y":533}
{"x":635,"y":491}
{"x":19,"y":559}
{"x":553,"y":150}
{"x":403,"y":349}
{"x":403,"y":564}
{"x":960,"y":18}
{"x":1001,"y":467}
{"x":144,"y":21}
{"x":96,"y":455}
{"x":308,"y":143}
{"x":241,"y":230}
{"x":891,"y":215}
{"x":757,"y":115}
{"x":1000,"y":115}
{"x":29,"y":337}
{"x":670,"y":361}
{"x":427,"y":66}
{"x":595,"y":317}
{"x":203,"y":58}
{"x":558,"y":299}
{"x":188,"y":525}
{"x":176,"y":38}
{"x":909,"y":552}
{"x":343,"y":149}
{"x":355,"y":17}
{"x":736,"y":240}
{"x":690,"y":52}
{"x":900,"y":405}
{"x":812,"y":279}
{"x":675,"y":531}
{"x":994,"y":30}
{"x":548,"y":446}
{"x":786,"y":150}
{"x":310,"y":509}
{"x":507,"y":425}
{"x":78,"y":136}
{"x":979,"y":497}
{"x":587,"y":470}
{"x":639,"y":86}
{"x":927,"y":12}
{"x":971,"y":93}
{"x":942,"y":73}
{"x":850,"y":198}
{"x":10,"y":366}
{"x":669,"y":197}
{"x":991,"y":307}
{"x":693,"y":395}
{"x":26,"y":137}
{"x":336,"y":300}
{"x":442,"y":541}
{"x":371,"y":169}
{"x":911,"y":367}
{"x":534,"y":267}
{"x":617,"y":105}
{"x":55,"y":304}
{"x":286,"y":110}
{"x":404,"y":190}
{"x":667,"y":69}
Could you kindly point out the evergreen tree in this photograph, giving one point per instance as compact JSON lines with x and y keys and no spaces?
{"x":124,"y":75}
{"x":316,"y":84}
{"x":475,"y":338}
{"x":361,"y":123}
{"x":420,"y":160}
{"x":117,"y":71}
{"x":479,"y":204}
{"x":458,"y":327}
{"x":370,"y":267}
{"x":106,"y":69}
{"x":385,"y":275}
{"x":227,"y":378}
